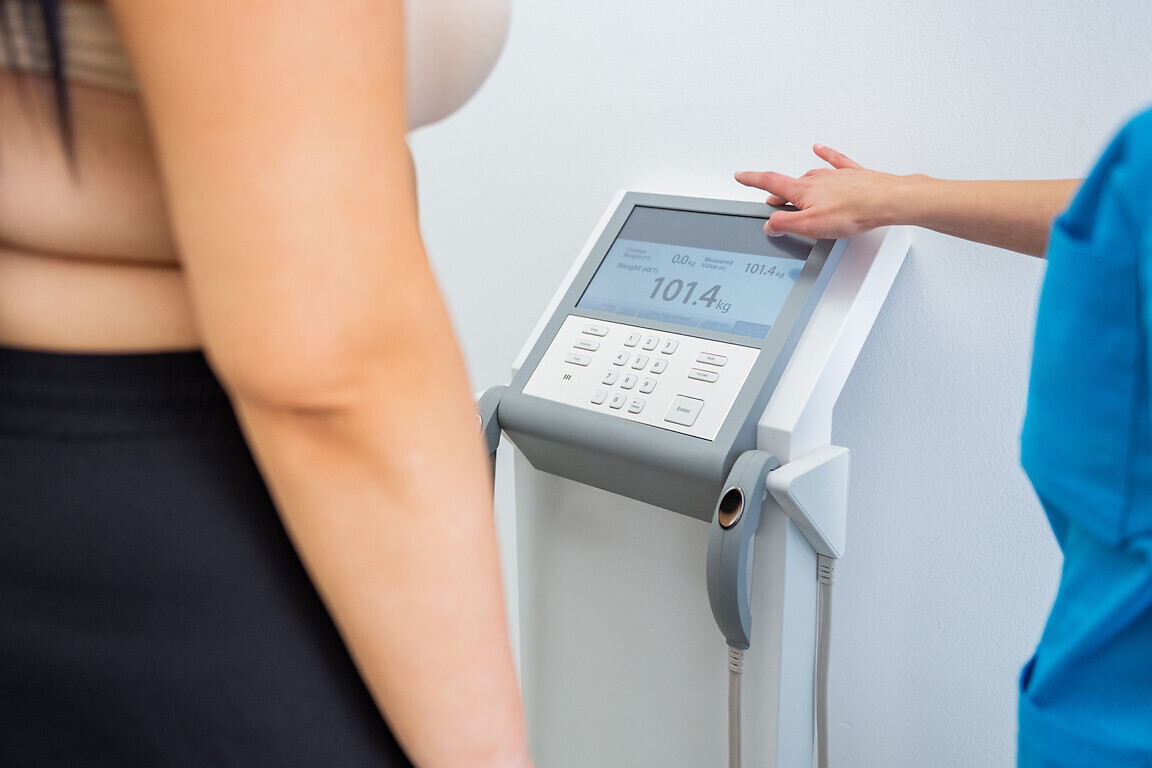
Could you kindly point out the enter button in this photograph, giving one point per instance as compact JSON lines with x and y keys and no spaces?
{"x":684,"y":411}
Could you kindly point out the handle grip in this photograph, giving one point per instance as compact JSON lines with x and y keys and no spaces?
{"x":731,"y":545}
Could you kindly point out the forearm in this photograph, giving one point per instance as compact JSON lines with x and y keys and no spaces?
{"x":1015,"y":215}
{"x":387,"y":499}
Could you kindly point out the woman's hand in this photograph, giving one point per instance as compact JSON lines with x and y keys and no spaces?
{"x":847,"y":199}
{"x":841,"y":201}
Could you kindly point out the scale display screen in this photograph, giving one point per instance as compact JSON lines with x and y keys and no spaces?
{"x":715,"y":272}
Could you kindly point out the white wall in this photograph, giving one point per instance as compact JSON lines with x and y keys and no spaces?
{"x":950,"y":566}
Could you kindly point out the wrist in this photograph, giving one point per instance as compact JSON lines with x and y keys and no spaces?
{"x":907,"y":202}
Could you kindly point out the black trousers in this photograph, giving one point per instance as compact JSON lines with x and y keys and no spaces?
{"x":152,"y":609}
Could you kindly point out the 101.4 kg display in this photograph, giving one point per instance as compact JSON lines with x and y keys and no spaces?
{"x":732,"y":278}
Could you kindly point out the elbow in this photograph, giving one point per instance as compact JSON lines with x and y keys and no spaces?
{"x":322,"y":373}
{"x":331,"y":343}
{"x":309,"y":382}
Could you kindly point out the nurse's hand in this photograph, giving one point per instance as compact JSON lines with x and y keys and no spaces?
{"x":846,"y":200}
{"x":841,"y":201}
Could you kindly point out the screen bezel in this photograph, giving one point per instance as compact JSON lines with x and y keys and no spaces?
{"x":790,"y":312}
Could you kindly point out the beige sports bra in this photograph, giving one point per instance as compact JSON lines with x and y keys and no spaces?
{"x":452,"y":46}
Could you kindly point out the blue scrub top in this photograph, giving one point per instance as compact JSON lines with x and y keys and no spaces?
{"x":1086,"y":696}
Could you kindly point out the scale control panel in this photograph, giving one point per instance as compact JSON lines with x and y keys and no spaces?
{"x":668,"y":380}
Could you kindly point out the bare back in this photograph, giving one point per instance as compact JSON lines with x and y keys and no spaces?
{"x":87,"y":259}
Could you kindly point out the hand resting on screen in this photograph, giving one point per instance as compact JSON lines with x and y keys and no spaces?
{"x":847,"y":199}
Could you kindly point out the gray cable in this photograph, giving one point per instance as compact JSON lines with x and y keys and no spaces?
{"x":825,"y":569}
{"x":735,"y":671}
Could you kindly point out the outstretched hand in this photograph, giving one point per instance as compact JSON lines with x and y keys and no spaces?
{"x":841,"y":201}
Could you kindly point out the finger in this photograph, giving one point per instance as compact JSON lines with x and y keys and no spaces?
{"x":771,"y":182}
{"x":776,"y":200}
{"x":802,"y":223}
{"x":834,"y":158}
{"x":781,"y":223}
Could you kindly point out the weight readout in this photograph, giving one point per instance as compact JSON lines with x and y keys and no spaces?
{"x":672,"y":290}
{"x":723,"y":291}
{"x":675,"y":287}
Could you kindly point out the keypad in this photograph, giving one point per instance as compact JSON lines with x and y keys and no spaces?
{"x":684,"y":410}
{"x":670,"y":380}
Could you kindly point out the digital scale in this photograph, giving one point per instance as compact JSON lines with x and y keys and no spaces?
{"x":664,"y":348}
{"x":688,"y":364}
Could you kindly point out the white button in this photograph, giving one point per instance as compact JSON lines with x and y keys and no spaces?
{"x":610,"y":378}
{"x":648,"y":386}
{"x":621,"y":358}
{"x":628,"y":382}
{"x":640,"y":362}
{"x":636,"y":405}
{"x":587,"y":345}
{"x":710,"y":359}
{"x":684,"y":410}
{"x":596,"y":330}
{"x":599,"y":396}
{"x":617,"y":402}
{"x":578,"y":359}
{"x":699,"y":375}
{"x":659,"y":366}
{"x":669,"y":347}
{"x":651,"y":342}
{"x":632,"y":340}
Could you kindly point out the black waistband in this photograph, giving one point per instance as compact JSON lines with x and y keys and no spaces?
{"x":47,"y":393}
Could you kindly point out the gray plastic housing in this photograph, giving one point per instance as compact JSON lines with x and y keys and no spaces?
{"x":487,"y":411}
{"x":731,"y":546}
{"x":654,"y":465}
